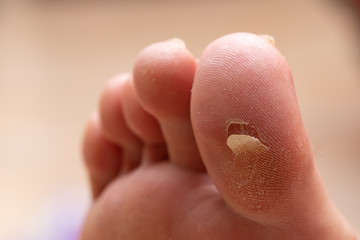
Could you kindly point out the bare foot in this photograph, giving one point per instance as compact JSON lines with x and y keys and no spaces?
{"x":214,"y":150}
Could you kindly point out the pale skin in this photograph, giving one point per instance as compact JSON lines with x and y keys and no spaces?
{"x":164,"y":165}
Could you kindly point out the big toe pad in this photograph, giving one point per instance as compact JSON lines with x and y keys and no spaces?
{"x":247,"y":125}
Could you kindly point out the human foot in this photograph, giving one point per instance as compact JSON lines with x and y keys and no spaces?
{"x":148,"y":172}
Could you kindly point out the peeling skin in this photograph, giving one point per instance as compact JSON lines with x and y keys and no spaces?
{"x":271,"y":39}
{"x":252,"y":170}
{"x":240,"y":143}
{"x":243,"y":138}
{"x":241,"y":127}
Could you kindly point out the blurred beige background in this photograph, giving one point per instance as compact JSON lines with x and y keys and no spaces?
{"x":55,"y":57}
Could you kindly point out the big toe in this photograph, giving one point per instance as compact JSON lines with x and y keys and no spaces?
{"x":249,"y":131}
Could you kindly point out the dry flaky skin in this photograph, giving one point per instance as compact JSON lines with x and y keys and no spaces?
{"x":244,"y":142}
{"x":251,"y":157}
{"x":241,"y":144}
{"x":239,"y":127}
{"x":268,"y":37}
{"x":248,"y":151}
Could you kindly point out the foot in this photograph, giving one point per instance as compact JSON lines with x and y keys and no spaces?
{"x":208,"y":150}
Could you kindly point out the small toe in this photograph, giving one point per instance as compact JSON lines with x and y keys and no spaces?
{"x":163,"y":77}
{"x":114,"y":125}
{"x":143,"y":125}
{"x":102,"y":158}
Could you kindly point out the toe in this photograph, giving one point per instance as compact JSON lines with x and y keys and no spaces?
{"x":114,"y":125}
{"x":249,"y":131}
{"x":163,"y":77}
{"x":102,"y":158}
{"x":143,"y":125}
